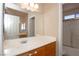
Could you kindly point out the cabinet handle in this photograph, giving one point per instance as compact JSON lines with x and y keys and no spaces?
{"x":35,"y":52}
{"x":30,"y":54}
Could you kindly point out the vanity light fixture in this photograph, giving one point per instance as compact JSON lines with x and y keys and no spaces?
{"x":30,"y":6}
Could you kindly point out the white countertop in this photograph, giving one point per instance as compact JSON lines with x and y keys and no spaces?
{"x":14,"y":47}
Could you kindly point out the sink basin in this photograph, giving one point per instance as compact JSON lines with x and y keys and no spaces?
{"x":23,"y":42}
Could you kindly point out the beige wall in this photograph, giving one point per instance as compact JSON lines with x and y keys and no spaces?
{"x":51,"y":17}
{"x":47,"y":19}
{"x":38,"y":23}
{"x":39,"y":27}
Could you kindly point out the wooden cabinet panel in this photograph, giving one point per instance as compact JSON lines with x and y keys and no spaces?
{"x":47,"y":50}
{"x":50,"y":49}
{"x":22,"y":36}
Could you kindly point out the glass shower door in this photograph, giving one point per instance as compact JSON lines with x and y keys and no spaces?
{"x":11,"y":26}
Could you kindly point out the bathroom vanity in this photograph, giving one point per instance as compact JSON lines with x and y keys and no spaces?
{"x":31,"y":46}
{"x":25,"y":32}
{"x":46,"y":50}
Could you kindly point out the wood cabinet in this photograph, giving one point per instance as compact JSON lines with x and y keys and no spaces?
{"x":47,"y":50}
{"x":50,"y":49}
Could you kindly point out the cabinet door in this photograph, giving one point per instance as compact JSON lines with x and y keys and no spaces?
{"x":50,"y":49}
{"x":39,"y":52}
{"x":36,"y":52}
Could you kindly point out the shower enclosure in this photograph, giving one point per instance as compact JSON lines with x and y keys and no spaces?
{"x":11,"y":26}
{"x":71,"y":29}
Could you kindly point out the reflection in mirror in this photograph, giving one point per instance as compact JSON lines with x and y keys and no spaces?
{"x":16,"y":24}
{"x":11,"y":26}
{"x":32,"y":26}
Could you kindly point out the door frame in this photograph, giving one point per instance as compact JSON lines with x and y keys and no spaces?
{"x":34,"y":25}
{"x":59,"y":38}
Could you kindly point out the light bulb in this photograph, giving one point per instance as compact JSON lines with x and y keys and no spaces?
{"x":36,"y":6}
{"x":28,"y":8}
{"x":24,"y":5}
{"x":32,"y":5}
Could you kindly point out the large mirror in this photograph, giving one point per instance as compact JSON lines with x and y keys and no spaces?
{"x":16,"y":23}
